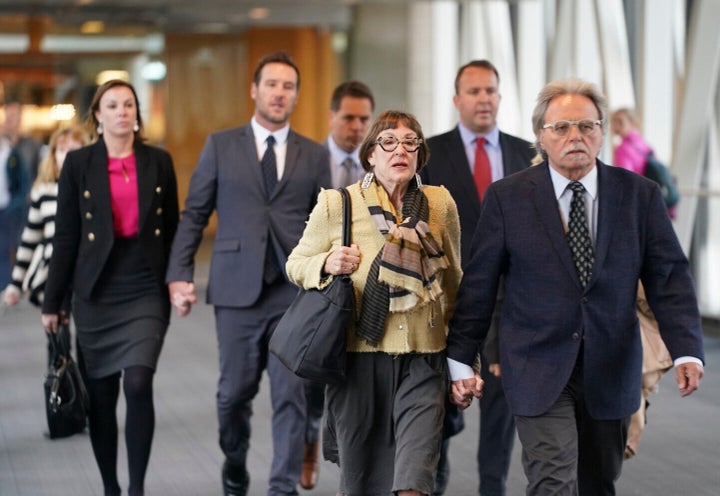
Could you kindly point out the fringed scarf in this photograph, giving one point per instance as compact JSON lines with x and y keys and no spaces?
{"x":404,"y":272}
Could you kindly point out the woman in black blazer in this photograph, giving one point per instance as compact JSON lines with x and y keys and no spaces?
{"x":116,"y":217}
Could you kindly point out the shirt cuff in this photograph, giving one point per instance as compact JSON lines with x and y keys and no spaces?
{"x":459,"y":370}
{"x":684,"y":359}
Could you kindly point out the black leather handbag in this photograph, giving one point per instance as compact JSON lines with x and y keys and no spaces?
{"x":66,"y":400}
{"x":310,"y":337}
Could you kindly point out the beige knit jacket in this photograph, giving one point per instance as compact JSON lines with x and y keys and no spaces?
{"x":422,"y":329}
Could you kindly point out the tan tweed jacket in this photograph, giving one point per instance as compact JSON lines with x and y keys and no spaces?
{"x":422,"y":329}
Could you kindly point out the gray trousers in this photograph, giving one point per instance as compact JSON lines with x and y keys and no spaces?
{"x":566,"y":452}
{"x":243,"y":335}
{"x":387,"y":420}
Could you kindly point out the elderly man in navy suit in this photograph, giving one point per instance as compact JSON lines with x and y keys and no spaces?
{"x":263,"y":180}
{"x":466,"y":160}
{"x":572,"y":237}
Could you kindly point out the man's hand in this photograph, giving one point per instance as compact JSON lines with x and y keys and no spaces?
{"x":464,"y":390}
{"x":182,"y":296}
{"x":50,"y":322}
{"x":494,"y":369}
{"x":688,"y":377}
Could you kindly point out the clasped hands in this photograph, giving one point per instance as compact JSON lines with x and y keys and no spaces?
{"x":182,"y":296}
{"x":463,"y":391}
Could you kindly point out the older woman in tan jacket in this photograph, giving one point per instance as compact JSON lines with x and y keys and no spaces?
{"x":404,"y":263}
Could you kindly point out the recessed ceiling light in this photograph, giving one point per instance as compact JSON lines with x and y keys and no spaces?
{"x":259,"y":13}
{"x":92,"y":27}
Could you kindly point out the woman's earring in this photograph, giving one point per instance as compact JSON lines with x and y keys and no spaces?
{"x":100,"y":128}
{"x":136,"y":127}
{"x":367,"y":180}
{"x":418,"y":181}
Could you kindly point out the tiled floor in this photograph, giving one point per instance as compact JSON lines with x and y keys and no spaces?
{"x":680,"y":453}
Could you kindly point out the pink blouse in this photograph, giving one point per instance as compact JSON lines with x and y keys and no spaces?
{"x":632,"y":152}
{"x":124,"y":196}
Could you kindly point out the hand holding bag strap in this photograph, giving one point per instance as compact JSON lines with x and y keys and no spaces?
{"x":347,"y":216}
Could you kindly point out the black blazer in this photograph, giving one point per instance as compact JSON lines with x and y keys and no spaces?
{"x":84,"y":223}
{"x":448,"y":166}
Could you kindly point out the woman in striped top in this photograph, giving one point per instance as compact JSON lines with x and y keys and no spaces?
{"x":33,"y":255}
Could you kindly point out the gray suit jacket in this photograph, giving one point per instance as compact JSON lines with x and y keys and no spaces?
{"x":228,"y":179}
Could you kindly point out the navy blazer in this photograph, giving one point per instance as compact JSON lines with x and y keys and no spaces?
{"x":228,"y":178}
{"x":448,"y":166}
{"x":84,"y":233}
{"x":547,"y":315}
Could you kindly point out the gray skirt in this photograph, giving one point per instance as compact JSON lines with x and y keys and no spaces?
{"x":387,"y":421}
{"x":124,"y":323}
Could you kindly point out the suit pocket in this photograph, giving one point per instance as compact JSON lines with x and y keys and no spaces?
{"x":223,"y":245}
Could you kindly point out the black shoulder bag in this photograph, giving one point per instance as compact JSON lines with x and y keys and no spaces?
{"x":310,"y":337}
{"x":66,"y":400}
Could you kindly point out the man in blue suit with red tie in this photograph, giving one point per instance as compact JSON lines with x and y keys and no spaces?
{"x":572,"y":237}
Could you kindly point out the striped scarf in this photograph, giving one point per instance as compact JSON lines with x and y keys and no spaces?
{"x":404,"y":272}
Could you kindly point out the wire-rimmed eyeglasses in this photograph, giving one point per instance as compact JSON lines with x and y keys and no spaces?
{"x":585,"y":126}
{"x":390,"y":143}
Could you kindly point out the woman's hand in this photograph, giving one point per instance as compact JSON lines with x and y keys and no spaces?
{"x":11,"y":296}
{"x":50,"y":322}
{"x":344,"y":260}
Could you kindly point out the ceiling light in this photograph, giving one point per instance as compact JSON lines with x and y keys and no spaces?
{"x":153,"y":71}
{"x":62,"y":112}
{"x":92,"y":27}
{"x":105,"y":76}
{"x":259,"y":13}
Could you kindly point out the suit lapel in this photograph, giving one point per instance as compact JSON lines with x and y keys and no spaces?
{"x":146,"y":181}
{"x":460,"y":169}
{"x":246,"y":153}
{"x":98,"y":183}
{"x":548,"y":212}
{"x":292,"y":156}
{"x":610,"y":194}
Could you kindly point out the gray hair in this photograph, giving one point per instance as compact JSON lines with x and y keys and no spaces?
{"x":573,"y":86}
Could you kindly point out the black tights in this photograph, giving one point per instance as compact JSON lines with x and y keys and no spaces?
{"x":139,"y":426}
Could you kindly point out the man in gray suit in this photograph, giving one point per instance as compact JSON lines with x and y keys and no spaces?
{"x":351,"y":107}
{"x":263,"y":179}
{"x":455,"y":163}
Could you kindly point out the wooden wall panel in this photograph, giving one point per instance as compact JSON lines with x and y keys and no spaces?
{"x":209,"y":79}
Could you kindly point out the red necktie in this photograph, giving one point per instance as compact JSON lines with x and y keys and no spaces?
{"x":483,"y":173}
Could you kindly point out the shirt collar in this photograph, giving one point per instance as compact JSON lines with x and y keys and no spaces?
{"x":561,"y":182}
{"x":338,"y":155}
{"x":261,"y":133}
{"x":469,"y":137}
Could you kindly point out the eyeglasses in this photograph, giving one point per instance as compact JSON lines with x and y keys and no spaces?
{"x":562,"y":128}
{"x":390,"y":143}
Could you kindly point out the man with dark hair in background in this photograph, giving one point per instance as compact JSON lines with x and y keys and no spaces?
{"x":263,"y":180}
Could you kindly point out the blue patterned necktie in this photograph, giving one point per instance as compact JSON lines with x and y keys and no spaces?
{"x":578,"y":235}
{"x":269,"y":166}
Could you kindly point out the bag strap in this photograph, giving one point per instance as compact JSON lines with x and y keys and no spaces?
{"x":347,"y":216}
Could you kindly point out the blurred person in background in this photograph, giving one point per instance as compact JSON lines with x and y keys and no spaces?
{"x":14,"y":187}
{"x":117,"y":212}
{"x":30,"y":271}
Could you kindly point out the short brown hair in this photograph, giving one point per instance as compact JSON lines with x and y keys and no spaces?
{"x":390,"y":119}
{"x":478,"y":64}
